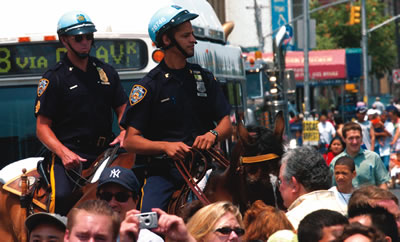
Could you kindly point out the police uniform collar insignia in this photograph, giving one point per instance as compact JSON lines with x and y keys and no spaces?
{"x":43,"y":83}
{"x":197,"y":76}
{"x":138,"y":92}
{"x":103,"y":76}
{"x":37,"y":107}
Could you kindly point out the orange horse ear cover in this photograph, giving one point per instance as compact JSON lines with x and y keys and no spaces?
{"x":258,"y":158}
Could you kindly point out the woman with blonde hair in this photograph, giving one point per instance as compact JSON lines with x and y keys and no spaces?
{"x":220,"y":221}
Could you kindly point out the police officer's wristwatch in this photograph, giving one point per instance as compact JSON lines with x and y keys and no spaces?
{"x":214,"y":132}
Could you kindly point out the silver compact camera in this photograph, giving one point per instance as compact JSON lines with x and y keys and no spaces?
{"x":148,"y":220}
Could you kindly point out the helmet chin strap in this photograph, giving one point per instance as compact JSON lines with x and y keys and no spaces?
{"x":175,"y":43}
{"x":80,"y":55}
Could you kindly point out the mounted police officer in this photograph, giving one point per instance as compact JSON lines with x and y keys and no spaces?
{"x":175,"y":107}
{"x":74,"y":104}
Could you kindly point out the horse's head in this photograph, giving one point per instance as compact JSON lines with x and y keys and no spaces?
{"x":258,"y":152}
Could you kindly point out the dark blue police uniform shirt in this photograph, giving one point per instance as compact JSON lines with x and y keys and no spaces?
{"x":80,"y":103}
{"x":175,"y":105}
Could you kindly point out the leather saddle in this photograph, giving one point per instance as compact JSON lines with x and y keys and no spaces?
{"x":38,"y":186}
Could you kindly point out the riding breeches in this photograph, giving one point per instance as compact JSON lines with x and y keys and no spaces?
{"x":159,"y":186}
{"x":65,"y":192}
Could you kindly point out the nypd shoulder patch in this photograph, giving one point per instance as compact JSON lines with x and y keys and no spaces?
{"x":43,"y":83}
{"x":137,"y":94}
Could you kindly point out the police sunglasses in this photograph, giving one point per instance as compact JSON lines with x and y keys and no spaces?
{"x":79,"y":38}
{"x":119,"y":196}
{"x":228,"y":230}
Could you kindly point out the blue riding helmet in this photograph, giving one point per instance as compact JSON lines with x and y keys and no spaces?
{"x":167,"y":18}
{"x":75,"y":23}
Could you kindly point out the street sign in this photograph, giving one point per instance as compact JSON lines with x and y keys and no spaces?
{"x":310,"y":133}
{"x":300,"y":34}
{"x":396,"y":75}
{"x":284,"y":35}
{"x":279,"y":13}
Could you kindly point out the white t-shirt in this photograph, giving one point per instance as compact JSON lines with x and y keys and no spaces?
{"x":326,"y":132}
{"x":365,"y":127}
{"x":385,"y":149}
{"x":342,"y":197}
{"x":146,"y":235}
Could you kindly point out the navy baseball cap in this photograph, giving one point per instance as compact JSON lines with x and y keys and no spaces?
{"x":119,"y":175}
{"x":362,"y":109}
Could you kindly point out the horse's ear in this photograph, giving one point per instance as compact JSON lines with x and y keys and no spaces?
{"x":244,"y":135}
{"x":279,"y":125}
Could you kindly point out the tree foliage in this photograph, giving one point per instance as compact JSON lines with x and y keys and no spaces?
{"x":334,"y":32}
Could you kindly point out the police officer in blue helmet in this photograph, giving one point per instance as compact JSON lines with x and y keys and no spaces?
{"x":176,"y":107}
{"x":74,"y":105}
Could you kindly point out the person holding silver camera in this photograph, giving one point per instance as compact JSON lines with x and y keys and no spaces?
{"x":119,"y":187}
{"x":172,"y":227}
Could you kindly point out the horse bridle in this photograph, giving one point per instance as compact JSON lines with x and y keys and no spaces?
{"x":262,"y":158}
{"x":257,"y":158}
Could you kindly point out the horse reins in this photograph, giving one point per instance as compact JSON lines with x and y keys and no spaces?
{"x":78,"y":173}
{"x":189,"y":179}
{"x":218,"y":157}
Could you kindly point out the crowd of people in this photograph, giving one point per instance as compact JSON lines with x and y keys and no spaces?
{"x":316,"y":210}
{"x":336,"y":192}
{"x":379,"y":132}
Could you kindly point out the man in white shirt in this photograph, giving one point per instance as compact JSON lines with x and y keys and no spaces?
{"x":326,"y":132}
{"x":368,"y":134}
{"x":304,"y":180}
{"x":386,"y":135}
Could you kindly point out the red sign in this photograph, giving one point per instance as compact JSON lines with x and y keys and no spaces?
{"x":396,"y":75}
{"x":323,"y":64}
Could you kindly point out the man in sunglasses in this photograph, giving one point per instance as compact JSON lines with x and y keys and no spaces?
{"x":74,"y":109}
{"x":120,"y":188}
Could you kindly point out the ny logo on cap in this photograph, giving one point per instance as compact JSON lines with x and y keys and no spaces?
{"x":115,"y":173}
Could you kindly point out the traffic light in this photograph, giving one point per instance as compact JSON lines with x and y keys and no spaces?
{"x":355,"y":15}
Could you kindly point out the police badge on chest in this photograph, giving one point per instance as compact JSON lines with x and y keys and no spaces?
{"x":201,"y":87}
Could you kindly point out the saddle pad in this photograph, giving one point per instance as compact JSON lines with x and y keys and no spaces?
{"x":15,"y":169}
{"x":14,"y":186}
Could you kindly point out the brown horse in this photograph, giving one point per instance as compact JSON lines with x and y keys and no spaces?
{"x":254,"y":168}
{"x":251,"y":174}
{"x":12,"y":215}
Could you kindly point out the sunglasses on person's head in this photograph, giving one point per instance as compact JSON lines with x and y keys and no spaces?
{"x":228,"y":230}
{"x":119,"y":196}
{"x":79,"y":38}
